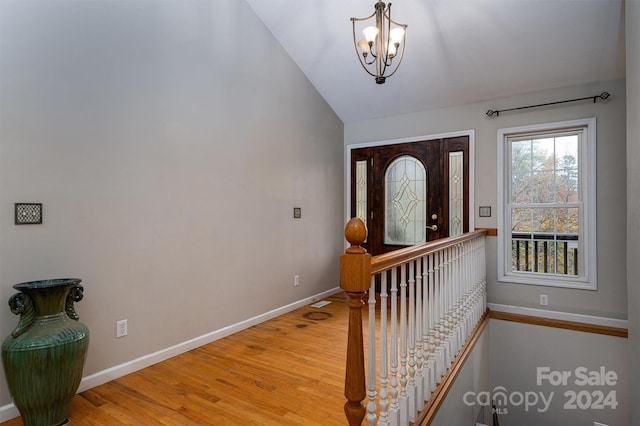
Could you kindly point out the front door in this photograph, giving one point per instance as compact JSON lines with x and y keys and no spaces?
{"x":410,"y":193}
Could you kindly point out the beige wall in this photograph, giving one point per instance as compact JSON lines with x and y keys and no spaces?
{"x":169,"y":143}
{"x":505,"y":362}
{"x":633,"y":200}
{"x":474,"y":378}
{"x":519,"y":350}
{"x":610,"y":300}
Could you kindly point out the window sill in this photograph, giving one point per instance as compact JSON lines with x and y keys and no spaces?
{"x":549,"y":282}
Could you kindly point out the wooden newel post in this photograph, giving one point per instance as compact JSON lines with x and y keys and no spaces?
{"x":355,"y":280}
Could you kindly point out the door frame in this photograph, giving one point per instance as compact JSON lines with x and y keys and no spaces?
{"x":350,"y":147}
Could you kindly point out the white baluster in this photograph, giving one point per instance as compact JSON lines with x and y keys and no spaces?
{"x":418,"y":336}
{"x":460,"y":293}
{"x":442,"y":325}
{"x":451,"y":320}
{"x":450,"y":304}
{"x":451,"y":343}
{"x":483,"y":266}
{"x":477,"y":280}
{"x":464,"y":332}
{"x":469,"y":302}
{"x":426,"y":296}
{"x":394,"y":409}
{"x":472,"y":280}
{"x":404,"y":398}
{"x":477,"y":277}
{"x":447,"y":307}
{"x":458,"y":299}
{"x":371,"y":364}
{"x":411,"y":388}
{"x":431,"y":329}
{"x":384,"y":419}
{"x":436,"y":323}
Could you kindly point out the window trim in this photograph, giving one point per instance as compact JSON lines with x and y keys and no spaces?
{"x":587,"y":185}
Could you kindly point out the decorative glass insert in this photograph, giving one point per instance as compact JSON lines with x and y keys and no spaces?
{"x":405,"y":192}
{"x":361,"y":190}
{"x":456,"y":193}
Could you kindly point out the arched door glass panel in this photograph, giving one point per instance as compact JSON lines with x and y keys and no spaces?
{"x":405,"y":192}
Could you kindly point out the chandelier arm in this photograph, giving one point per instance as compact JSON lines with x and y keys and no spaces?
{"x":399,"y":61}
{"x":363,"y":19}
{"x":363,"y":63}
{"x":388,"y":16}
{"x":388,"y":61}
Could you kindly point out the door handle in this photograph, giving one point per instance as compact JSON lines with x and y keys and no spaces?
{"x":432,"y":227}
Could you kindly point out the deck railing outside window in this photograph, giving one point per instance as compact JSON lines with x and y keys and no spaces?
{"x":545,"y":253}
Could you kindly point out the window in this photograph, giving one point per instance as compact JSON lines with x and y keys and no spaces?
{"x":547,"y":204}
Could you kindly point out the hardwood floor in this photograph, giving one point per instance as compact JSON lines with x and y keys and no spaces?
{"x":286,"y":371}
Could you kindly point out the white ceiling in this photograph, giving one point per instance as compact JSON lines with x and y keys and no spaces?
{"x":457,"y":51}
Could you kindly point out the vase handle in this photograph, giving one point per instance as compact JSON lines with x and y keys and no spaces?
{"x":22,"y":305}
{"x":75,"y":295}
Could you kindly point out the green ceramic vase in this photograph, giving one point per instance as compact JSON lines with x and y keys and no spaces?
{"x":44,"y":356}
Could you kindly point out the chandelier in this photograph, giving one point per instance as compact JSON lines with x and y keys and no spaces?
{"x":382,"y":42}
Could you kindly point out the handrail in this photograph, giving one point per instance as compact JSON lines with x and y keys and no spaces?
{"x":385,"y":261}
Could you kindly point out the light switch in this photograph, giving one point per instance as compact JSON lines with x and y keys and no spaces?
{"x":485,"y":211}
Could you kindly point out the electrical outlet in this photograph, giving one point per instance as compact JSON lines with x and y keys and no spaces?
{"x":296,"y":280}
{"x":121,"y":328}
{"x":544,"y":300}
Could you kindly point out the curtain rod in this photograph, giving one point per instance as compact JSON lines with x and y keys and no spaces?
{"x":603,"y":95}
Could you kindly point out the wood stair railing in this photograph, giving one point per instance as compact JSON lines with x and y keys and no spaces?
{"x":442,"y":300}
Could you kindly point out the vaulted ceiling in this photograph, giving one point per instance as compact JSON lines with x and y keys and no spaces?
{"x":457,"y":51}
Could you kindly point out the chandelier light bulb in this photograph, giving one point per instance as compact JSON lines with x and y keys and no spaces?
{"x":370,"y":34}
{"x":391,"y":50}
{"x":396,"y":35}
{"x":364,"y":47}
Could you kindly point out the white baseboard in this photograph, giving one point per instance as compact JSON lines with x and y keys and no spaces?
{"x":9,"y":411}
{"x":563,"y":316}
